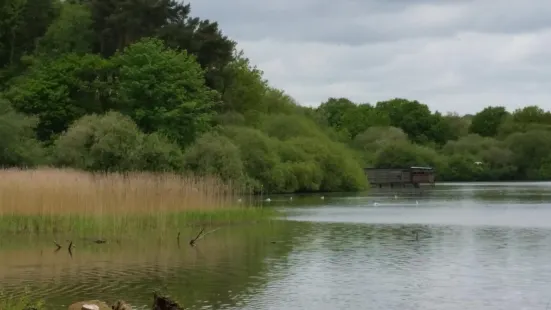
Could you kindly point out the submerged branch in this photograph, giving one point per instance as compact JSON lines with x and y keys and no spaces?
{"x":70,"y":248}
{"x":192,"y":241}
{"x":57,"y":245}
{"x":201,"y":235}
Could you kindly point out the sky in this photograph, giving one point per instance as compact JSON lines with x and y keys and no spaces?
{"x":453,"y":55}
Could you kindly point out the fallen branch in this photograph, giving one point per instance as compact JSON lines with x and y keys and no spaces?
{"x":192,"y":241}
{"x":201,"y":235}
{"x":209,"y":232}
{"x":70,"y":248}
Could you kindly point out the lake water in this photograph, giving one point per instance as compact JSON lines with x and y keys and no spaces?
{"x":457,"y":246}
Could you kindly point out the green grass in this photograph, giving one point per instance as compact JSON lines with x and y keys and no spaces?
{"x":115,"y":225}
{"x":10,"y":302}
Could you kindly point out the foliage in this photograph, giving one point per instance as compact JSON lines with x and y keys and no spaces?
{"x":406,"y":154}
{"x":487,"y":122}
{"x":113,"y":142}
{"x":213,"y":154}
{"x":60,"y":91}
{"x":120,"y":85}
{"x":163,"y":90}
{"x":17,"y":144}
{"x":70,"y":32}
{"x":531,"y":152}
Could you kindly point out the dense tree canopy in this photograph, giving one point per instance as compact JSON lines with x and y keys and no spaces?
{"x":122,"y":85}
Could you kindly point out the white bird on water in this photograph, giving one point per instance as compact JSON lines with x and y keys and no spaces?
{"x":416,"y":202}
{"x":375,"y":203}
{"x":268,"y":199}
{"x":322,"y":197}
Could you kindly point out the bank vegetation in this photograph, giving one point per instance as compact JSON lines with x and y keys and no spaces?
{"x":68,"y":201}
{"x":119,"y":93}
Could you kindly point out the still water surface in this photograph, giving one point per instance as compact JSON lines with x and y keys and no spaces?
{"x":457,"y":246}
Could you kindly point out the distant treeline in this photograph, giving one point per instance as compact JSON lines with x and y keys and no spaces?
{"x":125,"y":85}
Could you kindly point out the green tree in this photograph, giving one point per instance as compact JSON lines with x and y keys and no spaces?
{"x":334,"y":110}
{"x":441,"y":130}
{"x":244,"y":88}
{"x":486,"y":122}
{"x":277,"y":101}
{"x":158,"y":154}
{"x":405,"y":154}
{"x":462,"y":167}
{"x":376,"y":138}
{"x":259,"y":156}
{"x":17,"y":144}
{"x":70,"y":32}
{"x":215,"y":155}
{"x":361,"y":118}
{"x":530,"y":151}
{"x":525,"y":119}
{"x":285,"y":127}
{"x":22,"y":22}
{"x":472,"y":144}
{"x":531,"y":114}
{"x":459,"y":125}
{"x":339,"y":168}
{"x":62,"y":90}
{"x":113,"y":142}
{"x":100,"y":143}
{"x":479,"y":158}
{"x":163,"y":90}
{"x":119,"y":23}
{"x":414,"y":118}
{"x":202,"y":38}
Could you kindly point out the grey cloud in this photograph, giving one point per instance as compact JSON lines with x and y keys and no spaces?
{"x":358,"y":22}
{"x":424,"y":69}
{"x":452,"y":55}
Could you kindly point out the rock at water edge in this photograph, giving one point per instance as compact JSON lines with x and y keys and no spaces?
{"x":81,"y":304}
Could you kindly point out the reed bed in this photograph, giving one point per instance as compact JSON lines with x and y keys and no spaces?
{"x":65,"y":200}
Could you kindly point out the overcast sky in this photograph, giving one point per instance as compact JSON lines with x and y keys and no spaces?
{"x":453,"y":55}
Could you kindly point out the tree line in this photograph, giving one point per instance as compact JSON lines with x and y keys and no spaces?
{"x":125,"y":85}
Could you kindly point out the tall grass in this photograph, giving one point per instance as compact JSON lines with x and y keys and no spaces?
{"x":64,"y":200}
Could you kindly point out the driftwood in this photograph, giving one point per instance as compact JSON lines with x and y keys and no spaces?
{"x":164,"y":303}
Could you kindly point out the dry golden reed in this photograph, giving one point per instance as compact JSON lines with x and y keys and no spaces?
{"x":51,"y":192}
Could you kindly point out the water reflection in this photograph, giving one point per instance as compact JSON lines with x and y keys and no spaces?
{"x":461,"y":246}
{"x":216,"y":271}
{"x":383,"y":267}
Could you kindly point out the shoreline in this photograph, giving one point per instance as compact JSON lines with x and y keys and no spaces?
{"x":123,"y":224}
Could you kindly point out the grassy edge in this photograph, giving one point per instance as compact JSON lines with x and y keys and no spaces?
{"x":121,"y":224}
{"x":10,"y":302}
